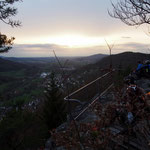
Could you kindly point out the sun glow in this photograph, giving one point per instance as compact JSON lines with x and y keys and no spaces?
{"x":73,"y":41}
{"x":76,"y":41}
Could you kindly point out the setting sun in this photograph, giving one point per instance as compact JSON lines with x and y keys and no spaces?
{"x":71,"y":41}
{"x":75,"y":40}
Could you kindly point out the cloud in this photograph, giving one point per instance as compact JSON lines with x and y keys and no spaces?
{"x":125,"y":37}
{"x":46,"y":46}
{"x":132,"y":46}
{"x":36,"y":50}
{"x":135,"y":46}
{"x":46,"y":50}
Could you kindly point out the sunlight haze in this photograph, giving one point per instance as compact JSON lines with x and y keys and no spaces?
{"x":79,"y":26}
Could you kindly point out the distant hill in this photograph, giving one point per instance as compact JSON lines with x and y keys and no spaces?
{"x":96,"y":56}
{"x":51,"y":61}
{"x":94,"y":61}
{"x":31,"y":60}
{"x":123,"y":59}
{"x":92,"y":58}
{"x":7,"y":65}
{"x":87,"y":59}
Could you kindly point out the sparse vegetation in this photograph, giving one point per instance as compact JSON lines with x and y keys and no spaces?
{"x":114,"y":129}
{"x":23,"y":93}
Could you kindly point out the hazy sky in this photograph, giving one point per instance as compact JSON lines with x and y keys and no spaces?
{"x":71,"y":28}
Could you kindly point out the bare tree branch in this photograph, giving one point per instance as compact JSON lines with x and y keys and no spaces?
{"x":132,"y":12}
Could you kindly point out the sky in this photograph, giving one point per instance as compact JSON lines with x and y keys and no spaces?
{"x":71,"y":28}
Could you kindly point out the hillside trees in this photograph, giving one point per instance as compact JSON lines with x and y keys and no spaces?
{"x":7,"y":11}
{"x":54,"y":111}
{"x":13,"y":128}
{"x":21,"y":129}
{"x":18,"y":130}
{"x":132,"y":12}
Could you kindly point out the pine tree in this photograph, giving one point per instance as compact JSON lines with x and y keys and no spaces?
{"x":6,"y":13}
{"x":54,"y":110}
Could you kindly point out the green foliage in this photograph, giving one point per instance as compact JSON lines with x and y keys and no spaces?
{"x":20,"y":73}
{"x":16,"y":85}
{"x":54,"y":108}
{"x":37,"y":92}
{"x":3,"y":87}
{"x":17,"y":101}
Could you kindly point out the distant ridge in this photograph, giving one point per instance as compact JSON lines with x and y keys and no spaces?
{"x":124,"y":59}
{"x":89,"y":59}
{"x":93,"y":58}
{"x":95,"y":61}
{"x":7,"y":65}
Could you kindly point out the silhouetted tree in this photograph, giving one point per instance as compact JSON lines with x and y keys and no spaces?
{"x":54,"y":106}
{"x":5,"y":43}
{"x":14,"y":128}
{"x":20,"y":130}
{"x":132,"y":12}
{"x":6,"y":13}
